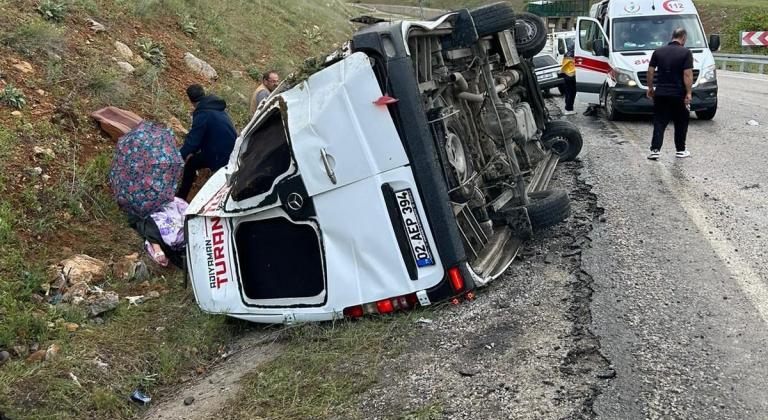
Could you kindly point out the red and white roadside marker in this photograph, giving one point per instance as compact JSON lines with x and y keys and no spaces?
{"x":754,"y":39}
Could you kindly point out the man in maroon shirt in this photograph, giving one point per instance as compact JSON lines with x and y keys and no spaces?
{"x":673,"y":64}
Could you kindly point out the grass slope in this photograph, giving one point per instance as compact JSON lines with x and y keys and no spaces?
{"x":70,"y":210}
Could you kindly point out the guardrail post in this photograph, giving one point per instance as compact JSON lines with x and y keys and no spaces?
{"x":762,"y":68}
{"x":741,"y":66}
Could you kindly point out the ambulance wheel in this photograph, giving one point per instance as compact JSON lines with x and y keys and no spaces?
{"x":707,"y":114}
{"x":611,"y":112}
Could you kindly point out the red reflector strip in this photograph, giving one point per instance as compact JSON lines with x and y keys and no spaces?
{"x":385,"y":306}
{"x":456,"y":280}
{"x":353,"y":311}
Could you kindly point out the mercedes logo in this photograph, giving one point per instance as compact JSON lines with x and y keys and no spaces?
{"x":295,"y":201}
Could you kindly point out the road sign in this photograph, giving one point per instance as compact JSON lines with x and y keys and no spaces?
{"x":755,"y":38}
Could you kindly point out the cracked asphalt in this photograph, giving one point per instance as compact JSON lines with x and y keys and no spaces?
{"x":650,"y":301}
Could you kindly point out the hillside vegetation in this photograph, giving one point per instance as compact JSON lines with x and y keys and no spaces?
{"x":58,"y":63}
{"x":730,"y":17}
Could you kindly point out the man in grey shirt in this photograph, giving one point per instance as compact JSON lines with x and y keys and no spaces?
{"x":269,"y":82}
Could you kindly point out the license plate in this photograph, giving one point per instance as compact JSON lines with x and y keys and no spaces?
{"x":413,"y":228}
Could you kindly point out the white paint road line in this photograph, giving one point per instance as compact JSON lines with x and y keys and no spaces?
{"x":748,"y":280}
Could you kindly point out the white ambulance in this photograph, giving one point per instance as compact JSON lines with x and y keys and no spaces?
{"x":613,"y":49}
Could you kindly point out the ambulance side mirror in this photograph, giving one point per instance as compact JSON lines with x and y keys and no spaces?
{"x":561,"y":49}
{"x":714,"y":42}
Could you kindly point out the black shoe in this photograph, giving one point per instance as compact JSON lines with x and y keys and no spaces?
{"x":592,"y":110}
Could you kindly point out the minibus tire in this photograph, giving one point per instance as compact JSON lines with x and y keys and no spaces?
{"x":707,"y":114}
{"x":493,"y":18}
{"x":563,"y":131}
{"x":529,"y":47}
{"x":548,"y":208}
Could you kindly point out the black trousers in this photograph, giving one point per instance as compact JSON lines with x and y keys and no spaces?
{"x":570,"y":91}
{"x":666,"y":109}
{"x":191,"y":167}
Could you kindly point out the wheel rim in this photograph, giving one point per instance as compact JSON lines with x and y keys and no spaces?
{"x":456,"y":157}
{"x":559,"y":145}
{"x":528,"y":29}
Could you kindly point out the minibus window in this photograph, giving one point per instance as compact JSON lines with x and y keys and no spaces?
{"x":266,"y":156}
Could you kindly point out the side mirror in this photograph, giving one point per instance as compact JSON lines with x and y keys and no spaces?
{"x":561,"y":49}
{"x":714,"y":42}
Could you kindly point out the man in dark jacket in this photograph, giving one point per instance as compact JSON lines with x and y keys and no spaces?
{"x":671,"y":94}
{"x":210,"y":140}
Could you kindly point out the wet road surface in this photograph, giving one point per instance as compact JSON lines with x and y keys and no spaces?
{"x":679,"y":268}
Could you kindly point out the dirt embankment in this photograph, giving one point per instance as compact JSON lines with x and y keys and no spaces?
{"x":60,"y":61}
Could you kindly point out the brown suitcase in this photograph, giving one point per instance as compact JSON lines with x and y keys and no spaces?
{"x":116,"y":121}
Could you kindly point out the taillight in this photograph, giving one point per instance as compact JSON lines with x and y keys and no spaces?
{"x":454,"y":274}
{"x":353,"y":311}
{"x":383,"y":306}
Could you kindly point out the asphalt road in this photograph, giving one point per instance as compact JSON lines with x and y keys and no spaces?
{"x":680,"y":264}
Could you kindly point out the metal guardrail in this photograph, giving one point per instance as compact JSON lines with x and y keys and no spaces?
{"x":742,"y":60}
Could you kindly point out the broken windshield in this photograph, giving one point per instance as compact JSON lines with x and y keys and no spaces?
{"x":651,"y":32}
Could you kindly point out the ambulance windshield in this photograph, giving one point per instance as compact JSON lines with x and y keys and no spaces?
{"x":651,"y":32}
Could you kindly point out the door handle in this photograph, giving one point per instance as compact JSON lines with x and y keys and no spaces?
{"x":327,"y":164}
